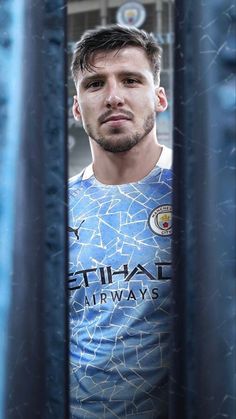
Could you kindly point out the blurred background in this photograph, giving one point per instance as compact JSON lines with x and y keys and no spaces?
{"x":154,"y":16}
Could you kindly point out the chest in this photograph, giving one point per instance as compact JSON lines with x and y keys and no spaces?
{"x":120,"y":233}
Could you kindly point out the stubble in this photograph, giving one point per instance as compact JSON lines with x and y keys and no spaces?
{"x":116,"y":142}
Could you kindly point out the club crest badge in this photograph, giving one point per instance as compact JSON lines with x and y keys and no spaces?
{"x":160,"y":220}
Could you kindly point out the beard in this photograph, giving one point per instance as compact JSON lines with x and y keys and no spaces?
{"x":123,"y":142}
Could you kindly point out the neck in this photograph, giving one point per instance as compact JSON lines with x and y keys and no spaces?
{"x":125,"y":167}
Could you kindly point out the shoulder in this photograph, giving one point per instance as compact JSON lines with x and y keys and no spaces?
{"x":75,"y":181}
{"x":79,"y":183}
{"x":166,"y":158}
{"x":85,"y":174}
{"x":164,"y":165}
{"x":75,"y":186}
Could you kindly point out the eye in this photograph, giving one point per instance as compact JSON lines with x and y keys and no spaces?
{"x":96,"y":84}
{"x":130,"y":81}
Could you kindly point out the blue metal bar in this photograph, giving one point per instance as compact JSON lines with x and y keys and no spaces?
{"x":36,"y":382}
{"x":11,"y":40}
{"x":203,"y":382}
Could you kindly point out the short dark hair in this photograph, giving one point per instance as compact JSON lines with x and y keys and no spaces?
{"x":114,"y":37}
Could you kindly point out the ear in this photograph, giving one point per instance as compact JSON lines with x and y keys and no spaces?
{"x":161,"y":99}
{"x":76,"y":109}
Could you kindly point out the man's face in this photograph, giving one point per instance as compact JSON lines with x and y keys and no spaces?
{"x":117,"y":100}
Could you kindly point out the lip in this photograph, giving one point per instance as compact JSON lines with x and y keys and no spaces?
{"x":116,"y":118}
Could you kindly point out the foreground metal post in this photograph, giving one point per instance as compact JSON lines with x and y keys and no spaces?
{"x":36,"y":382}
{"x":11,"y":40}
{"x":203,"y":382}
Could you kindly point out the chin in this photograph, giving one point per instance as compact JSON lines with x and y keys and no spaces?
{"x":118,"y":146}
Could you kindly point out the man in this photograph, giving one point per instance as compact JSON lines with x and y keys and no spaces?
{"x":120,"y":231}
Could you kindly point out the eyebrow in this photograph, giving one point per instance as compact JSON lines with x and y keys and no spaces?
{"x":135,"y":74}
{"x":101,"y":75}
{"x":88,"y":79}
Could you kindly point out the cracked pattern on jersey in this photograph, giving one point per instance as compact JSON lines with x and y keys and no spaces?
{"x":119,"y":277}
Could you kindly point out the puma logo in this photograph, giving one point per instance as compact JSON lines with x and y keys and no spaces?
{"x":75,"y":230}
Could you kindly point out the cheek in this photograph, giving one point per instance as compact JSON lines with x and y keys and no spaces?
{"x":147,"y":98}
{"x":148,"y":103}
{"x":87,"y":110}
{"x":92,"y":108}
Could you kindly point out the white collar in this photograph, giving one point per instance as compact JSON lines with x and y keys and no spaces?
{"x":164,"y":162}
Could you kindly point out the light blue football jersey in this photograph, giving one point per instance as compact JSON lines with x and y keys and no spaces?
{"x":120,"y":285}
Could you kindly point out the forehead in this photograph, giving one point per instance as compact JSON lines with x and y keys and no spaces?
{"x":126,"y":59}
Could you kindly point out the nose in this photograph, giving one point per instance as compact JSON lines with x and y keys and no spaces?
{"x":114,"y":97}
